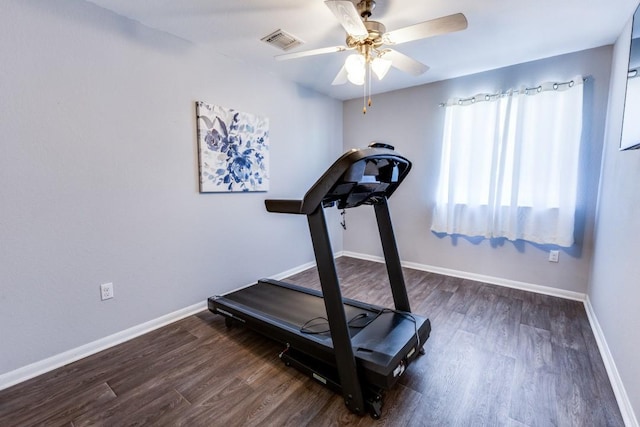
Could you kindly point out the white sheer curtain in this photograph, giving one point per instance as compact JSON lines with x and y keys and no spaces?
{"x":510,"y":165}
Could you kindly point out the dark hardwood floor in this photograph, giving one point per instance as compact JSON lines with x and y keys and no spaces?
{"x":496,"y":357}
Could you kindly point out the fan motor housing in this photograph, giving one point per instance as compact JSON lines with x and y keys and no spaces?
{"x":374,"y":39}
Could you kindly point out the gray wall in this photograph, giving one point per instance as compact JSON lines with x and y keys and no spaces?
{"x":614,"y":288}
{"x":412,"y":121}
{"x":98,"y":176}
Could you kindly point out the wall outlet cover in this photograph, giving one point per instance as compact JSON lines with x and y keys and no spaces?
{"x":106,"y":291}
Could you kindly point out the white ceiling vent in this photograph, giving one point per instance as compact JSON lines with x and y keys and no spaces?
{"x":282,"y":40}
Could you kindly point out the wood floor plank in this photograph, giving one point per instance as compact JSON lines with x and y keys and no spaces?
{"x":488,"y":408}
{"x":271,"y":386}
{"x":215,"y":410}
{"x":333,"y":414}
{"x":577,"y":382}
{"x":213,"y":376}
{"x":312,"y":397}
{"x":421,"y":371}
{"x":533,"y":389}
{"x":496,"y":356}
{"x":535,"y":349}
{"x":45,"y":390}
{"x":611,"y":412}
{"x":400,"y":404}
{"x":117,"y":411}
{"x":448,"y":283}
{"x":566,"y":330}
{"x":533,"y":398}
{"x":477,"y":319}
{"x":154,"y":413}
{"x":64,"y":410}
{"x":447,"y":379}
{"x":433,"y":304}
{"x":464,"y":296}
{"x":535,"y":314}
{"x":502,"y":331}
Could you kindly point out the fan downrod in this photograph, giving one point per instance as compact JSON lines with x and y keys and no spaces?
{"x":365,"y":7}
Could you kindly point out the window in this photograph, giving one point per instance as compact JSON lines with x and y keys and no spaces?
{"x":510,"y":165}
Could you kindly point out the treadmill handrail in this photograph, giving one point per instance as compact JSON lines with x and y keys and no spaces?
{"x":284,"y":206}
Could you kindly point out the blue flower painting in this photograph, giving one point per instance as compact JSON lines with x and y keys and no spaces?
{"x":233,"y":150}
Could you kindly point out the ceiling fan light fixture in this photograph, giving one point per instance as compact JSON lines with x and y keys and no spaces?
{"x":355,"y":66}
{"x":380,"y":66}
{"x":356,"y":79}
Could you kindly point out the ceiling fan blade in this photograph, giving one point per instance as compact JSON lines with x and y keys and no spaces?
{"x":311,"y":52}
{"x":341,"y":77}
{"x":347,"y":15}
{"x":405,"y":63}
{"x":434,"y":27}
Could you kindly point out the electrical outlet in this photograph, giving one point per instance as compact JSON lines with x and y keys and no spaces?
{"x":554,"y":256}
{"x":106,"y":291}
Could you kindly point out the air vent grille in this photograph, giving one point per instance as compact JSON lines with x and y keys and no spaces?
{"x":282,"y":40}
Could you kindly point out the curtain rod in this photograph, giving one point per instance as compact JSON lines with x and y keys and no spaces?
{"x":525,"y":91}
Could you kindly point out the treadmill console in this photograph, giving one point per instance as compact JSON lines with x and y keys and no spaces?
{"x":364,"y":176}
{"x":360,"y":176}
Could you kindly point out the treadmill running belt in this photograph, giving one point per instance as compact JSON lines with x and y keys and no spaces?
{"x":297,"y":308}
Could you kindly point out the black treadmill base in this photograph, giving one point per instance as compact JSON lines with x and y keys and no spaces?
{"x":384,"y":342}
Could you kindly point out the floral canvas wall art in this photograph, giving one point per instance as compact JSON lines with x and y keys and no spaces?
{"x":233,"y":150}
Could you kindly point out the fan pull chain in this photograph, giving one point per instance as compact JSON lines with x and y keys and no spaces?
{"x":367,"y":88}
{"x":364,"y":96}
{"x":369,"y":80}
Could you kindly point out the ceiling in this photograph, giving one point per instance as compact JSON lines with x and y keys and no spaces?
{"x":499,"y":33}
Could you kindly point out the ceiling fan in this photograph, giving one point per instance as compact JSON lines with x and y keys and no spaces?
{"x":371,"y":40}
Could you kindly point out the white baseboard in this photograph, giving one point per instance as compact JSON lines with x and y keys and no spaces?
{"x":294,"y":270}
{"x":49,"y":364}
{"x":620,"y":392}
{"x":546,"y":290}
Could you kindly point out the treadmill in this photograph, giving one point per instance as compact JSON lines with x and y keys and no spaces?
{"x":354,"y":348}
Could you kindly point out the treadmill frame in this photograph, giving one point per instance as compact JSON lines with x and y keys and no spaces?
{"x":312,"y":206}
